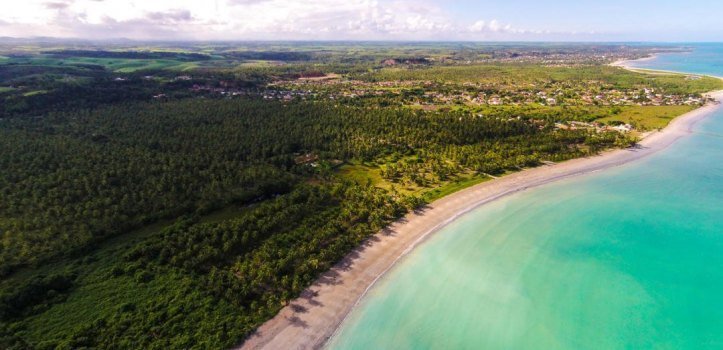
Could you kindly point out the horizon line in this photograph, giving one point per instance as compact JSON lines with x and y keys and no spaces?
{"x":39,"y":38}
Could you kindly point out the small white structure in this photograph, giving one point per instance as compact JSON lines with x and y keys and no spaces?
{"x":623,"y":127}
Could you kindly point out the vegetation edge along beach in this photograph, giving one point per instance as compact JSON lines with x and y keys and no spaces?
{"x":312,"y":319}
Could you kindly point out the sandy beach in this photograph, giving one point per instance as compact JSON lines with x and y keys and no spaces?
{"x":310,"y":320}
{"x":626,"y":63}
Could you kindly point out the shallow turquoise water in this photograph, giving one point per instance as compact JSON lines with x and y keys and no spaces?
{"x":704,"y":59}
{"x":629,"y":258}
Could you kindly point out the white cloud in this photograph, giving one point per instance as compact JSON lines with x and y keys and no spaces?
{"x":244,"y":19}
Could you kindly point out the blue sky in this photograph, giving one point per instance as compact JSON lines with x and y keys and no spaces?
{"x":664,"y":20}
{"x":486,"y":20}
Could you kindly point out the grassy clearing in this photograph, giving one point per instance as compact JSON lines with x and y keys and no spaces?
{"x":363,"y":173}
{"x":369,"y":172}
{"x":259,"y":63}
{"x":647,"y":118}
{"x":36,"y":92}
{"x":128,"y":65}
{"x":643,"y":118}
{"x":119,"y":65}
{"x":453,"y":186}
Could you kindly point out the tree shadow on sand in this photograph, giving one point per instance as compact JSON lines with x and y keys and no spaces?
{"x":297,"y":322}
{"x":330,"y":277}
{"x":636,"y":147}
{"x":421,"y":209}
{"x":310,"y":296}
{"x":298,"y":309}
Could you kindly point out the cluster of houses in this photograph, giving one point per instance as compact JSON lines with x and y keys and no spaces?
{"x":545,"y":93}
{"x":557,"y":58}
{"x":608,"y":98}
{"x":498,"y":98}
{"x":287,"y":95}
{"x":266,"y":94}
{"x":646,"y":97}
{"x":428,"y":93}
{"x":221,"y":90}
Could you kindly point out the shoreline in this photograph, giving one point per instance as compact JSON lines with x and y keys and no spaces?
{"x":626,"y":64}
{"x":309,"y":321}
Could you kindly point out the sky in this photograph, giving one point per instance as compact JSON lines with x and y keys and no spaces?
{"x":468,"y":20}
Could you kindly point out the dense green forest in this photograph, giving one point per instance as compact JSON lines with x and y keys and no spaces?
{"x":94,"y":174}
{"x":146,"y":210}
{"x":74,"y":179}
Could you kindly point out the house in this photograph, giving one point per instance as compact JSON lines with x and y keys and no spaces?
{"x":623,"y":127}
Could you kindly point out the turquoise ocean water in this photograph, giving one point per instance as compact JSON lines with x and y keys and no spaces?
{"x":628,"y":258}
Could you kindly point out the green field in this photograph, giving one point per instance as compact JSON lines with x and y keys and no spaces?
{"x":644,"y":118}
{"x":132,"y":65}
{"x":452,"y":186}
{"x":259,"y":63}
{"x":647,"y":118}
{"x":361,"y":173}
{"x":367,"y":173}
{"x":35,"y":92}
